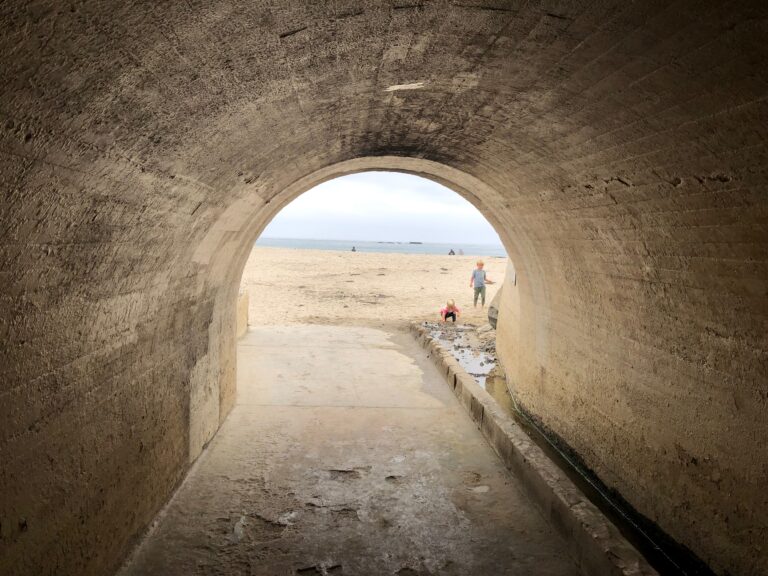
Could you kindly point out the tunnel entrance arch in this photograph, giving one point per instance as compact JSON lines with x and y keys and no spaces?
{"x":488,"y":201}
{"x":407,"y":224}
{"x":228,"y":244}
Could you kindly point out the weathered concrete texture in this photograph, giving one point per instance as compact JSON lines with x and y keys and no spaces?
{"x":618,"y":147}
{"x":347,"y":454}
{"x":242,"y":314}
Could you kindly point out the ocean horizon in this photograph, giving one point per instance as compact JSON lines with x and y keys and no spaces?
{"x":384,"y":246}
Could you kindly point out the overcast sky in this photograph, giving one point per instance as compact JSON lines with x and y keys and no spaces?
{"x":387,"y":206}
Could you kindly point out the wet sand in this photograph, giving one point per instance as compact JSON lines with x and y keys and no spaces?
{"x":291,"y":286}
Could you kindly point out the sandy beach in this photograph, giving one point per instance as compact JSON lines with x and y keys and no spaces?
{"x":293,"y":286}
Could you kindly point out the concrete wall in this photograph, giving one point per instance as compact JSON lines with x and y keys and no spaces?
{"x":619,"y":148}
{"x":660,"y":400}
{"x":242,"y":313}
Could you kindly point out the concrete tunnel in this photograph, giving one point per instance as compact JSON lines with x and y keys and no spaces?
{"x":619,"y":149}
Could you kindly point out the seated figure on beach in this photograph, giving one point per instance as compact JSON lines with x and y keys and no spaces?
{"x":450,"y":311}
{"x":451,"y":252}
{"x":479,"y":279}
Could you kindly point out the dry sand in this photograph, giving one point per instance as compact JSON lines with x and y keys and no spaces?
{"x":291,"y":286}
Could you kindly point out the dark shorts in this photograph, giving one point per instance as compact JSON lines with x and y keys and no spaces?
{"x":451,"y":315}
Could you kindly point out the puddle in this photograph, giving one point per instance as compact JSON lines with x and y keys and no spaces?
{"x":465,"y":342}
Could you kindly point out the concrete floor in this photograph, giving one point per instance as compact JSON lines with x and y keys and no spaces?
{"x":347,"y":454}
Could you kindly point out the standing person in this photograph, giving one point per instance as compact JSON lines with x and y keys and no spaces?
{"x":479,"y":279}
{"x":450,"y":311}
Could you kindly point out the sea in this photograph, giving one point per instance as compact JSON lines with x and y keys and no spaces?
{"x":487,"y":250}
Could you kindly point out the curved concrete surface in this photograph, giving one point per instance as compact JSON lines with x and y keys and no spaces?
{"x":619,"y":148}
{"x":347,"y":454}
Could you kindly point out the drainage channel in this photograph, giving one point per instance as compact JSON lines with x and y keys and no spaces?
{"x":476,"y":355}
{"x":474,"y":348}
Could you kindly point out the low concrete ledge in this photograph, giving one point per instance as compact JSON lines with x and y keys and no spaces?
{"x":593,"y":541}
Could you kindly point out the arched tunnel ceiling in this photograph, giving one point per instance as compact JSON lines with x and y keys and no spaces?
{"x":562,"y":91}
{"x":626,"y":143}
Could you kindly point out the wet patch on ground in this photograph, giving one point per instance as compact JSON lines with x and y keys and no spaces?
{"x":473,"y":346}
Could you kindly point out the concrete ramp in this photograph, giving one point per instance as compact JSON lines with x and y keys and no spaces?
{"x":346,"y":453}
